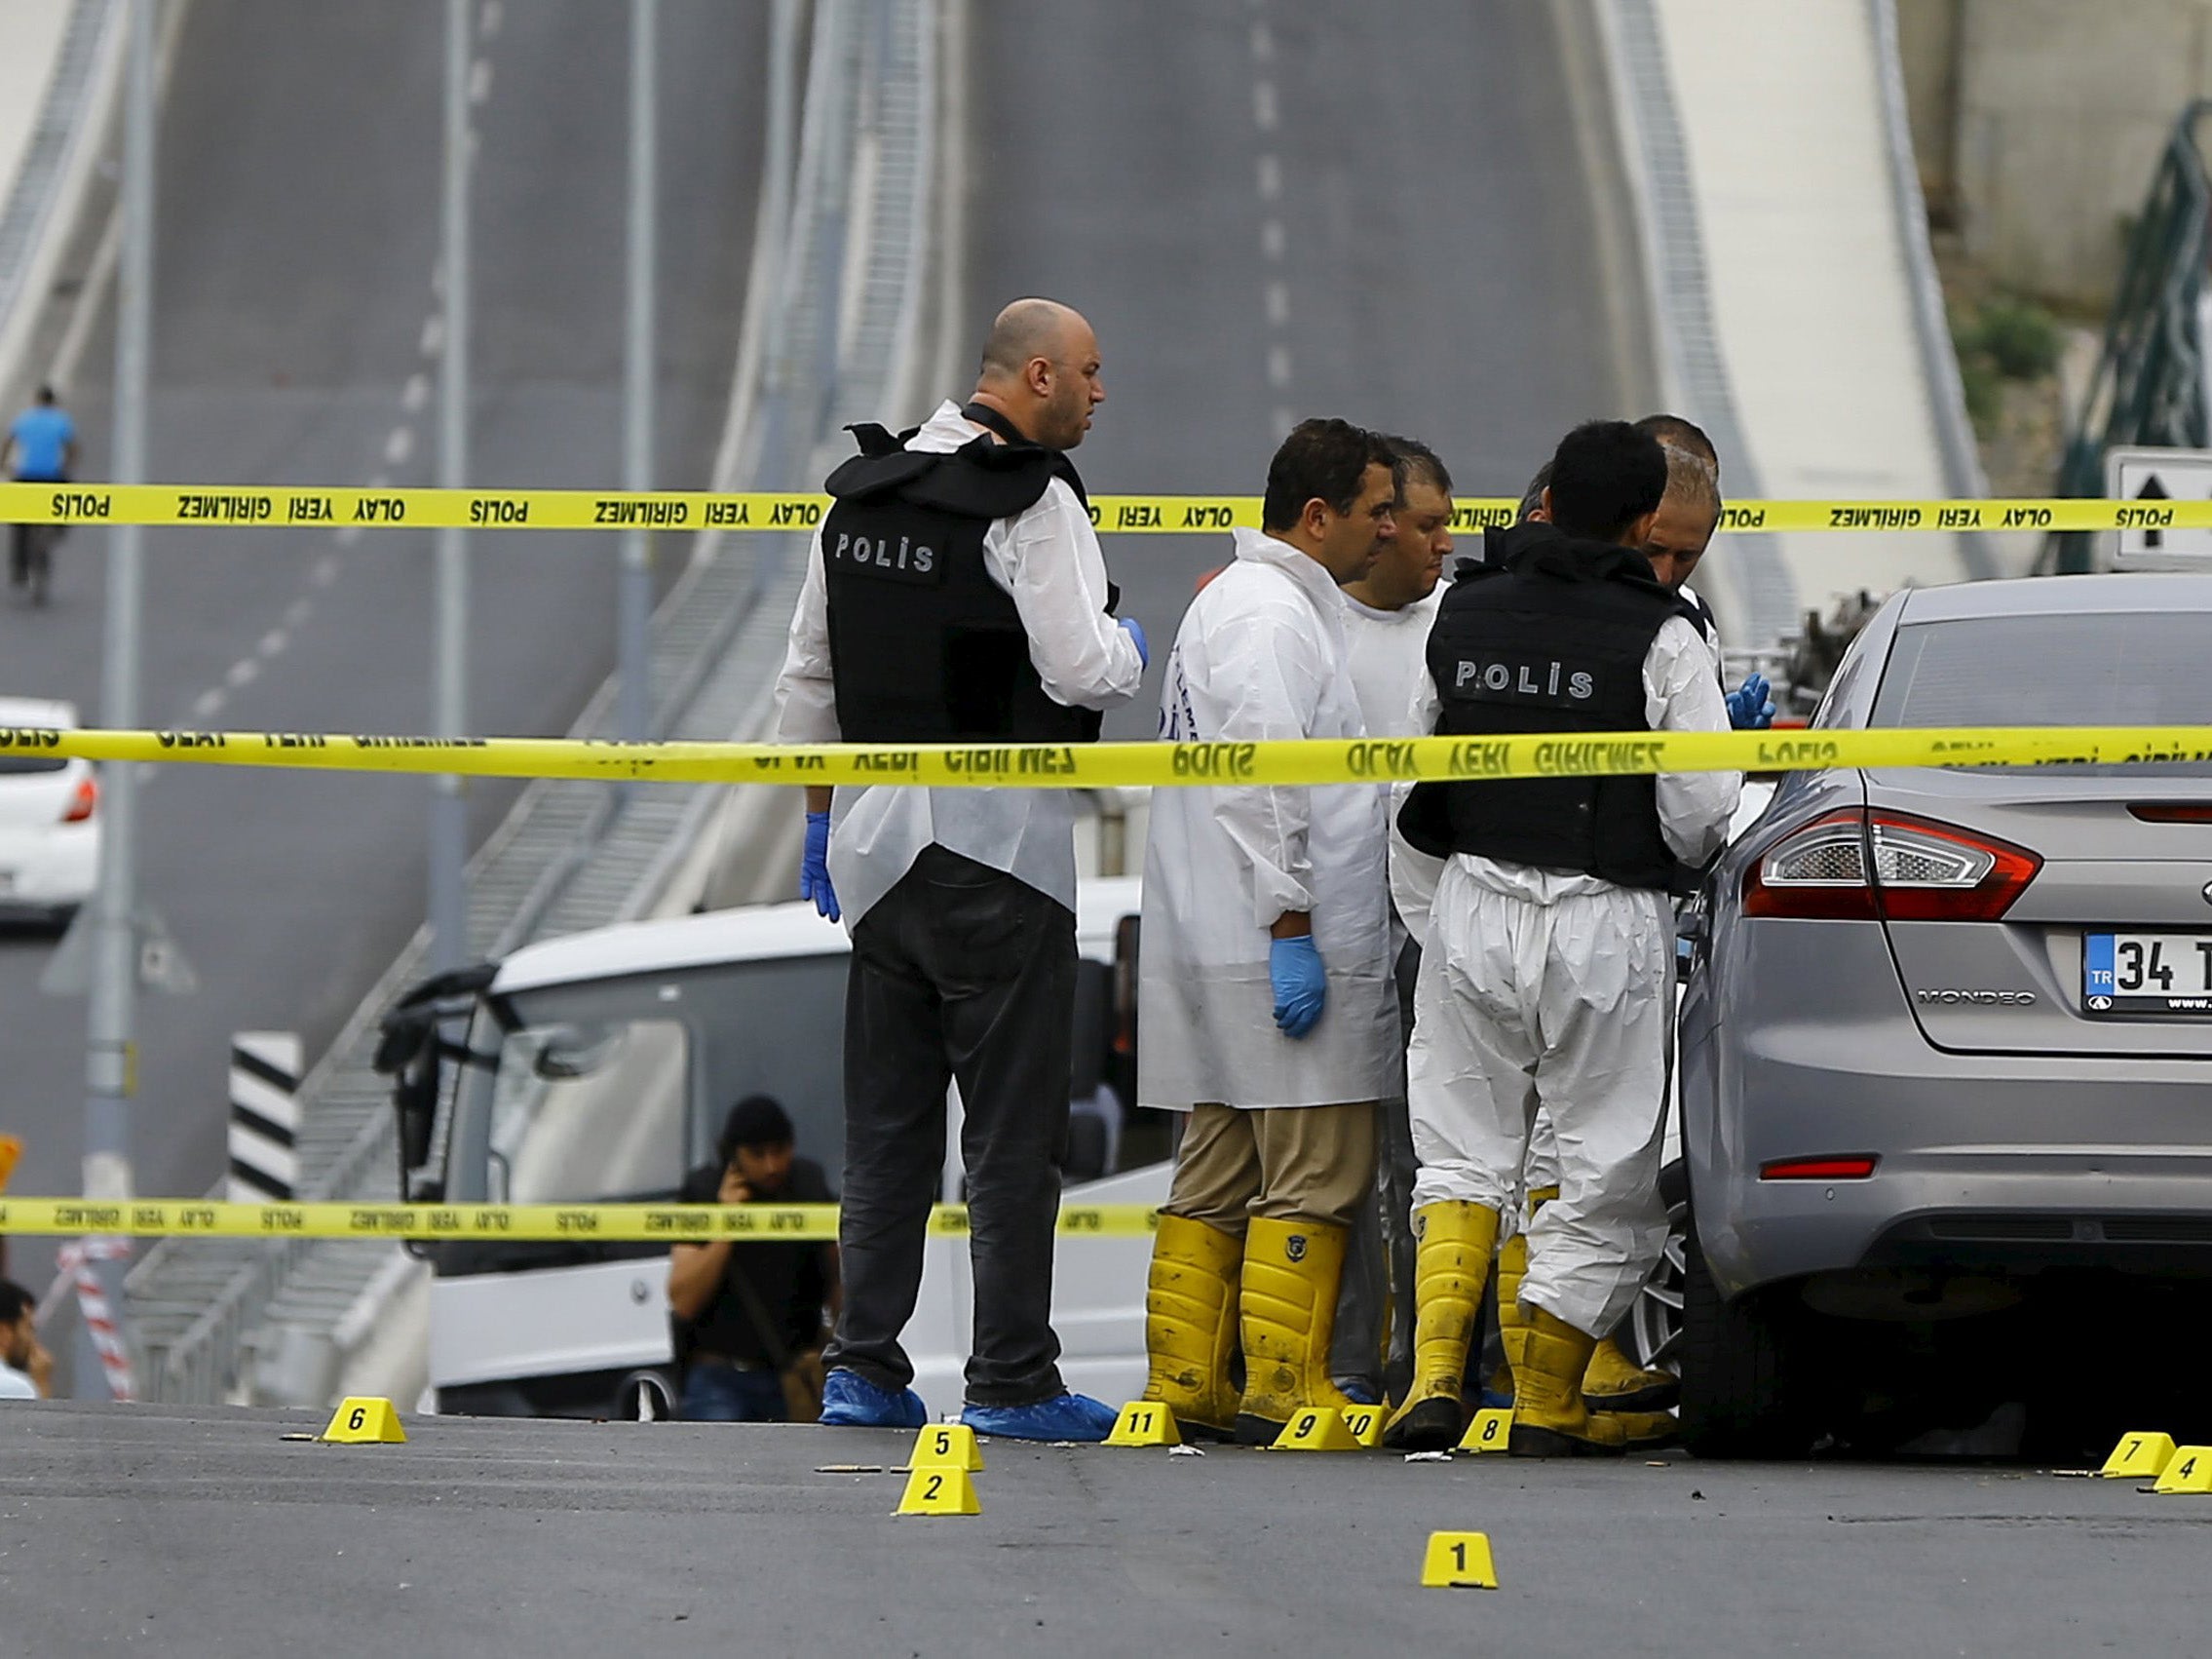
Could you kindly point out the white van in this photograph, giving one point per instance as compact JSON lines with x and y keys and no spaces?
{"x":597,"y":1067}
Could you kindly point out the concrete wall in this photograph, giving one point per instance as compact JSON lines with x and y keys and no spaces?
{"x":2039,"y":122}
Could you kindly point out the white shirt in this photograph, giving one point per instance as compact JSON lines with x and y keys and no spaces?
{"x":1048,"y":561}
{"x":15,"y":1384}
{"x":1680,"y":695}
{"x":1386,"y":651}
{"x":1260,"y":656}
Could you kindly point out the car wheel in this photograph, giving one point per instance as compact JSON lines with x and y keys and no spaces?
{"x":1742,"y":1384}
{"x":1655,"y":1322}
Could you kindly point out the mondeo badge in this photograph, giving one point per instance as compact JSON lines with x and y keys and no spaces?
{"x":1985,"y":998}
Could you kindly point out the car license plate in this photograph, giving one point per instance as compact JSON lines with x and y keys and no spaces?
{"x":2146,"y":973}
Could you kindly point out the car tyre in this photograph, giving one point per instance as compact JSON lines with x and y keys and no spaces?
{"x":1743,"y":1390}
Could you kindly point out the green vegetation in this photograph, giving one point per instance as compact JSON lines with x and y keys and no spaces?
{"x":2006,"y":339}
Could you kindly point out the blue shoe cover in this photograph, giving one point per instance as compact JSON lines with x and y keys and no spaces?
{"x":1359,"y":1390}
{"x":1064,"y":1416}
{"x":850,"y":1400}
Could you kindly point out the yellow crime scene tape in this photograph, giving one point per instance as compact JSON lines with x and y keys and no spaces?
{"x":1104,"y":765}
{"x":269,"y":507}
{"x":614,"y":1224}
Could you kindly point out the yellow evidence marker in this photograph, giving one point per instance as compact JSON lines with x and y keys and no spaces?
{"x":362,"y":1418}
{"x":2188,"y":1470}
{"x":2139,"y":1456}
{"x":1457,"y":1561}
{"x":1365,"y":1423}
{"x":947,"y":1445}
{"x":1145,"y":1423}
{"x":1316,"y":1428}
{"x":1493,"y":1425}
{"x":940,"y":1491}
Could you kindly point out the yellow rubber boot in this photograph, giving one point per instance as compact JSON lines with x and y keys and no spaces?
{"x":1450,"y":1263}
{"x":1288,"y":1304}
{"x":1550,"y":1418}
{"x":1512,"y":1262}
{"x":1190,"y":1325}
{"x":1615,"y":1382}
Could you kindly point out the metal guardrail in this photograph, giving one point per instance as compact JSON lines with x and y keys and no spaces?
{"x":2149,"y":387}
{"x":571,"y":856}
{"x":1693,"y":367}
{"x":27,"y":212}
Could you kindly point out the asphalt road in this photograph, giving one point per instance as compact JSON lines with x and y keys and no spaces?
{"x":1277,"y":209}
{"x":298,"y":234}
{"x":209,"y":1534}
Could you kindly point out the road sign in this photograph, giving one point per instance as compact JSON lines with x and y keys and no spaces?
{"x":2154,"y":477}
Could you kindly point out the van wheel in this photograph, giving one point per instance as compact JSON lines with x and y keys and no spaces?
{"x":1743,"y":1383}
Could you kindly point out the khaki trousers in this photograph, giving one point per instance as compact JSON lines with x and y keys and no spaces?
{"x":1289,"y":1164}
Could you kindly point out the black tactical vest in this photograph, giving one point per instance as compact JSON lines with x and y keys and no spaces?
{"x":1552,"y":641}
{"x":924,"y":646}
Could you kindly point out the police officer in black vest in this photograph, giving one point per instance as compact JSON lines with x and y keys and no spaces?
{"x":956,"y":593}
{"x":1546,"y":976}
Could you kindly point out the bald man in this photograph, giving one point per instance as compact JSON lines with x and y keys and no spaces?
{"x":957,"y":594}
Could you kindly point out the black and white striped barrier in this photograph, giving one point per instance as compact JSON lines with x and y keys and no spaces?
{"x":264,"y":1117}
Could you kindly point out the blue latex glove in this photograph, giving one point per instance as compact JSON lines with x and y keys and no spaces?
{"x":1135,"y":631}
{"x":1749,"y":707}
{"x":1301,"y":986}
{"x":814,"y":867}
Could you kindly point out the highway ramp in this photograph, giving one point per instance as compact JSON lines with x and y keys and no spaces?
{"x":1292,"y":209}
{"x":298,"y":233}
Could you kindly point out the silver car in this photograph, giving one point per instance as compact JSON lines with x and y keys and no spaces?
{"x":1946,"y":1050}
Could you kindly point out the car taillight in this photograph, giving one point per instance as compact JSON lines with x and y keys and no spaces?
{"x":82,"y":802}
{"x":1856,"y":866}
{"x":1817,"y":1168}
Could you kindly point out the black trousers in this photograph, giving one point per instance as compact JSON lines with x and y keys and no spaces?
{"x":959,"y":971}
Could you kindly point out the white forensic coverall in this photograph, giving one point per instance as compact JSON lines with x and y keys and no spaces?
{"x":1260,"y":656}
{"x":1555,"y":989}
{"x":1543,"y":1168}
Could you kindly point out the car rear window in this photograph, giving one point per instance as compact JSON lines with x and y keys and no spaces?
{"x":9,"y":764}
{"x":2106,"y":669}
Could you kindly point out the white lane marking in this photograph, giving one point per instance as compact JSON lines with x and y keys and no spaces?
{"x":433,"y":336}
{"x":1262,"y":104}
{"x":210,"y":702}
{"x":416,"y":393}
{"x":480,"y":79}
{"x":1271,"y":176}
{"x":1263,"y":44}
{"x":1279,"y":303}
{"x":243,"y":672}
{"x":348,"y":535}
{"x":324,"y":571}
{"x":1278,"y":367}
{"x":1271,"y":239}
{"x":400,"y":446}
{"x":274,"y":642}
{"x":494,"y":15}
{"x":297,"y":613}
{"x":380,"y":481}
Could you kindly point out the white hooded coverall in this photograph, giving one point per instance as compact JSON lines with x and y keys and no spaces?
{"x":1555,"y":989}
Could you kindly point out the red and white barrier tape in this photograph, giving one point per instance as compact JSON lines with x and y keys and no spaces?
{"x":74,"y":1262}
